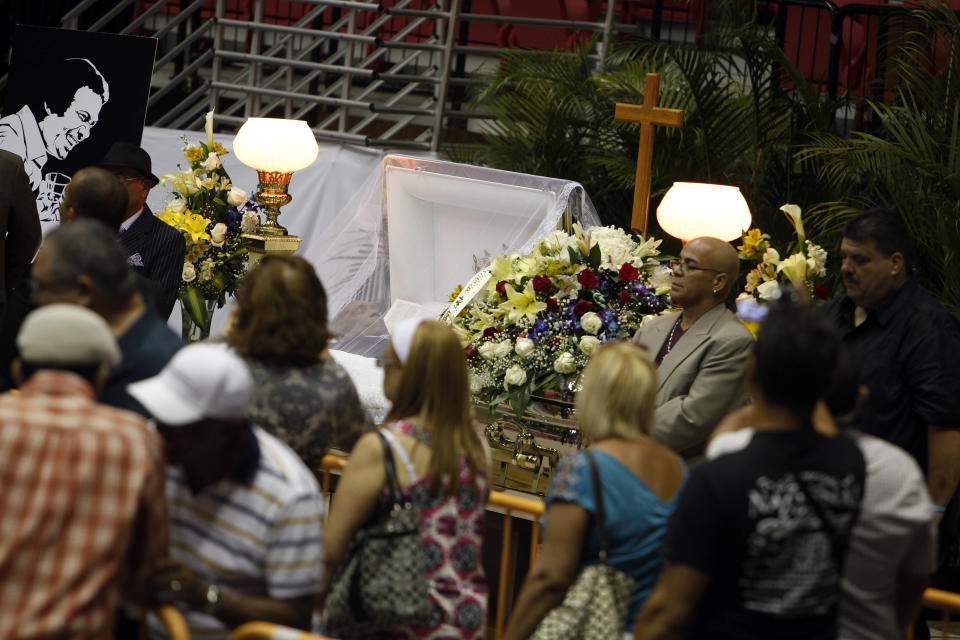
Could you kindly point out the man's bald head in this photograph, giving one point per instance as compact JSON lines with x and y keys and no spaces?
{"x":721,"y":256}
{"x":96,"y":194}
{"x":706,"y":273}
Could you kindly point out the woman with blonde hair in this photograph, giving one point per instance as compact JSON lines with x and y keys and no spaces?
{"x":640,"y":481}
{"x":441,"y":464}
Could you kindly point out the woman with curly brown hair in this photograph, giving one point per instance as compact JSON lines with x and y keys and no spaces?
{"x":280,"y":327}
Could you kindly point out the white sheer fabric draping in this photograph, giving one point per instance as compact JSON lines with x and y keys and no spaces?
{"x":381,"y":227}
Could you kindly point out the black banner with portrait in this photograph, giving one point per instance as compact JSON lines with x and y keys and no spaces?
{"x":70,"y":95}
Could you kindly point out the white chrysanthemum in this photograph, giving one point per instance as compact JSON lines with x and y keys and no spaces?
{"x":661,"y":277}
{"x":818,"y":254}
{"x":616,"y":247}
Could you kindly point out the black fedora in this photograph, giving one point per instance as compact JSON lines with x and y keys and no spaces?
{"x":129,"y":156}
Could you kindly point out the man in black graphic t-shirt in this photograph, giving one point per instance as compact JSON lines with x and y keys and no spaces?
{"x":756,"y":545}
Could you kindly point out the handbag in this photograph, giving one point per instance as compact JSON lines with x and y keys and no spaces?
{"x":382,"y":582}
{"x":596,"y":604}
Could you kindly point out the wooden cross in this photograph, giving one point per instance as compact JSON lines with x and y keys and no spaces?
{"x":648,"y":115}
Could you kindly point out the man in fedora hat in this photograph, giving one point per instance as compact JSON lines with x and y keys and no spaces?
{"x":155,"y":248}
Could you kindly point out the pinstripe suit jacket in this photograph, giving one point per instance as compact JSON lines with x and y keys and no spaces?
{"x":155,"y":251}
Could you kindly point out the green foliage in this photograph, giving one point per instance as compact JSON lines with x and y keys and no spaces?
{"x":553,"y":115}
{"x":753,"y":121}
{"x":911,"y":162}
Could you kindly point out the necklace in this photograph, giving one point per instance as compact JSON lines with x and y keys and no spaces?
{"x":670,"y":336}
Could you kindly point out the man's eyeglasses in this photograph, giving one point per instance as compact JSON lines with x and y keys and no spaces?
{"x":383,"y":363}
{"x":684,"y":266}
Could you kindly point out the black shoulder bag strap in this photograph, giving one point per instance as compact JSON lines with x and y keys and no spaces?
{"x":393,"y":485}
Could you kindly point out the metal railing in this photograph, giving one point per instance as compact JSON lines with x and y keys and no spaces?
{"x":173,"y":622}
{"x":394,"y":73}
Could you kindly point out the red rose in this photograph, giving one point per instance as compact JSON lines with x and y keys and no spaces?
{"x":582,"y":307}
{"x":541,"y":283}
{"x":470,"y":350}
{"x":552,"y":305}
{"x":820,"y":292}
{"x":491,"y":331}
{"x":587,"y":279}
{"x":628,"y":272}
{"x":624,"y":297}
{"x":502,"y":288}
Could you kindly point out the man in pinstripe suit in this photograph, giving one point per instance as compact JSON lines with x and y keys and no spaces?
{"x":155,"y":249}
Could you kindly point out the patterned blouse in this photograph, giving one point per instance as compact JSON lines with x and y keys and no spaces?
{"x":453,"y":533}
{"x":311,"y":408}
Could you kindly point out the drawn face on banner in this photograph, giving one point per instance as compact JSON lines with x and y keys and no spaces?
{"x":61,"y":133}
{"x":59,"y":113}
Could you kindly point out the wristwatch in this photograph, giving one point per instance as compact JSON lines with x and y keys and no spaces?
{"x":211,"y":600}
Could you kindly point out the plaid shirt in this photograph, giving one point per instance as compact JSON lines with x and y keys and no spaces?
{"x":82,"y":508}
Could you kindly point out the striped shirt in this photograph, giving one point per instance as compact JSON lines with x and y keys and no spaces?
{"x":82,"y":510}
{"x":260,"y":538}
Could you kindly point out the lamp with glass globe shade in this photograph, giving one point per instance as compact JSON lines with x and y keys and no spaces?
{"x":275,"y":148}
{"x":692,"y":209}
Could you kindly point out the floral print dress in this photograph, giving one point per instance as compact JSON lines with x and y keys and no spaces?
{"x":453,"y":534}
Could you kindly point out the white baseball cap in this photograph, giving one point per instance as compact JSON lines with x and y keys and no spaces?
{"x":202,"y":380}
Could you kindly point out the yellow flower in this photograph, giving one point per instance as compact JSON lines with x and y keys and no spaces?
{"x":171,"y":217}
{"x":523,"y":303}
{"x":194,"y":154}
{"x":219,"y":149}
{"x":194,"y":226}
{"x":753,"y":244}
{"x":793,"y":212}
{"x":795,"y":268}
{"x":500,"y":269}
{"x":455,"y":293}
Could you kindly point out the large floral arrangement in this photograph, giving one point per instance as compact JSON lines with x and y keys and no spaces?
{"x":540,"y":316}
{"x":805,"y":264}
{"x":211,"y":213}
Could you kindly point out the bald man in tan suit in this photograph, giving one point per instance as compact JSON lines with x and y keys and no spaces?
{"x":701,"y":352}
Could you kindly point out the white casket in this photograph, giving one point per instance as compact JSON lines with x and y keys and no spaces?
{"x":417,"y":230}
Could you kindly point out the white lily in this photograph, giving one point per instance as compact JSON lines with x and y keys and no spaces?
{"x":793,"y":212}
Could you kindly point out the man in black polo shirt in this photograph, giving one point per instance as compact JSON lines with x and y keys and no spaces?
{"x":755,"y":547}
{"x":906,"y":345}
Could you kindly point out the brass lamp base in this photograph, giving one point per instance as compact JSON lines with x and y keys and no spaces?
{"x":259,"y":246}
{"x":272,"y":194}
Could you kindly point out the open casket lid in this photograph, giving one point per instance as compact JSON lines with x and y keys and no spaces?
{"x":419,"y":228}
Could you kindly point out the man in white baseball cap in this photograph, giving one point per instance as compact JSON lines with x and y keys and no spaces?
{"x":245,"y":512}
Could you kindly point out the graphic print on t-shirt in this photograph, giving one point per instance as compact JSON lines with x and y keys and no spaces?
{"x":789,"y":557}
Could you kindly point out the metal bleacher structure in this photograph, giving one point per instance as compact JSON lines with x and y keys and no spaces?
{"x":395,"y":73}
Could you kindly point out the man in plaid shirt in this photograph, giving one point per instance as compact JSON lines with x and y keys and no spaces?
{"x":82,"y":510}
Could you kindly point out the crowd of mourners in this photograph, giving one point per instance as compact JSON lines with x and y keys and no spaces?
{"x":742,"y":493}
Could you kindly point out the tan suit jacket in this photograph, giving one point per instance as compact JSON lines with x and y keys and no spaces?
{"x":701,"y":379}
